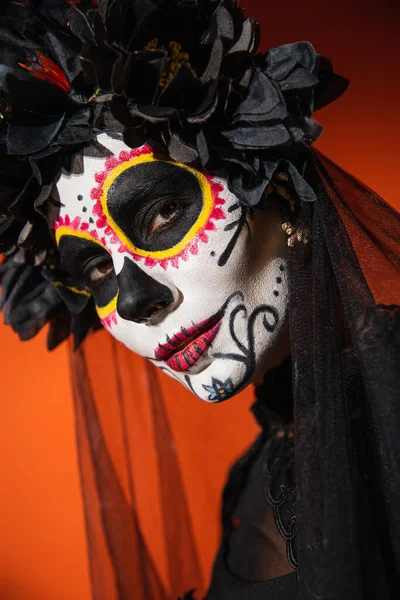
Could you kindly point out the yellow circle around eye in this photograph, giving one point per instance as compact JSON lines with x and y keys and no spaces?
{"x":105,"y":311}
{"x":208,"y":204}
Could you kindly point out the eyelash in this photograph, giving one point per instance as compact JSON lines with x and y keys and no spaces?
{"x":166,"y":205}
{"x":90,"y":268}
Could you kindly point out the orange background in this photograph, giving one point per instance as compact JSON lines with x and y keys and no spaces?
{"x":42,"y":543}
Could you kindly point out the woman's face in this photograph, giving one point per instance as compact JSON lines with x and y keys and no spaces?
{"x":179,"y":271}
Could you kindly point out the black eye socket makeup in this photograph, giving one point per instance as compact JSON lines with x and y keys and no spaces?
{"x":155,"y":204}
{"x":91,"y":264}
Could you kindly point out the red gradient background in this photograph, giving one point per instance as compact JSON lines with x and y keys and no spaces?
{"x":42,"y":541}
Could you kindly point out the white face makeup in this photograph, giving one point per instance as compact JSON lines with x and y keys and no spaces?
{"x":179,"y":271}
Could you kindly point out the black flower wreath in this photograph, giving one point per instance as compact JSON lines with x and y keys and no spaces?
{"x":186,"y":76}
{"x":180,"y":74}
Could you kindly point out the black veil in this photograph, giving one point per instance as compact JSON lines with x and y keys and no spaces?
{"x":153,"y":461}
{"x":345,"y":348}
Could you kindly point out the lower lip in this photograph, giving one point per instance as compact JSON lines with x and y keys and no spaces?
{"x":190,"y":354}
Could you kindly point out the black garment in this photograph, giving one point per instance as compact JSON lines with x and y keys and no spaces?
{"x":225,"y":586}
{"x":274,"y":450}
{"x":259,"y":503}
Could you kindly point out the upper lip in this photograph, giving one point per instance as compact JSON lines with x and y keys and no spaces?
{"x":183,"y":337}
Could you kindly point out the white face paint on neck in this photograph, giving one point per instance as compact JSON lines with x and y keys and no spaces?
{"x":179,"y":271}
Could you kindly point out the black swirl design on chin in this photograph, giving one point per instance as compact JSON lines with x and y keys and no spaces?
{"x":188,"y":381}
{"x":246,"y":350}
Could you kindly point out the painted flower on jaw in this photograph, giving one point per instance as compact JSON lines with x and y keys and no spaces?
{"x":123,"y":189}
{"x":219,"y":390}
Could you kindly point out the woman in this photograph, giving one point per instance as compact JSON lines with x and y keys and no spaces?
{"x":199,"y":240}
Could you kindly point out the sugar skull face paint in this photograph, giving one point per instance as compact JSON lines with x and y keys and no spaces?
{"x":179,"y":271}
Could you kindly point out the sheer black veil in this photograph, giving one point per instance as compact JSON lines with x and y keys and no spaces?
{"x":344,"y":323}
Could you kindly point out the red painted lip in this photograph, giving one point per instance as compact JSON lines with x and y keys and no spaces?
{"x":182,"y":350}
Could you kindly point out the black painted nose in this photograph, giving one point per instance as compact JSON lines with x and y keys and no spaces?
{"x":140,"y":296}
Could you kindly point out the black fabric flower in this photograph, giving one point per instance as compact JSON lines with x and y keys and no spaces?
{"x":34,"y":292}
{"x":30,"y":299}
{"x":44,"y":99}
{"x":47,"y":116}
{"x":175,"y":73}
{"x":184,"y":75}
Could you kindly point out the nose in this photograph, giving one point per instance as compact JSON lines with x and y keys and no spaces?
{"x":140,"y":296}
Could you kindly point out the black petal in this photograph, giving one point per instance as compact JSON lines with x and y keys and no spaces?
{"x":29,"y":139}
{"x":59,"y":330}
{"x":141,"y":75}
{"x":331,"y":85}
{"x":259,"y":137}
{"x":303,"y":189}
{"x":263,"y":103}
{"x":289,"y":59}
{"x":250,"y":188}
{"x":180,"y":151}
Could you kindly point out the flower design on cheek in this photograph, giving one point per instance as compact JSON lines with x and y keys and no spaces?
{"x":210,"y":211}
{"x":219,"y":390}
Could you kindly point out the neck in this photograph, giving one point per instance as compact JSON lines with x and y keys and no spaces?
{"x":280,"y":354}
{"x":274,"y":395}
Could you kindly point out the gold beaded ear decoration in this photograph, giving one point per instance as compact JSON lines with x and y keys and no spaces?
{"x":296,"y":233}
{"x":280,"y":186}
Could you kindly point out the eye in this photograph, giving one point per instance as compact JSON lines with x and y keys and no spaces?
{"x":101,"y":270}
{"x":166,"y":213}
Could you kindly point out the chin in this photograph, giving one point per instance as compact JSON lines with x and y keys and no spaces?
{"x":211,"y":381}
{"x":218,"y":376}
